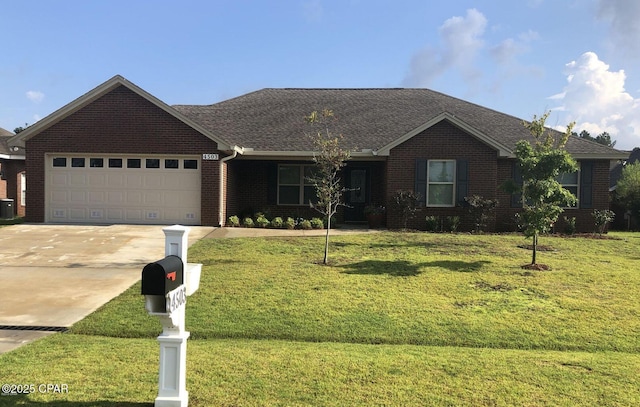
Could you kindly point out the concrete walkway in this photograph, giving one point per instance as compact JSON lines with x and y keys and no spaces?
{"x":55,"y":275}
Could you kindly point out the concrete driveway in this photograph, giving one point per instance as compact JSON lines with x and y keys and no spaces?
{"x":55,"y":275}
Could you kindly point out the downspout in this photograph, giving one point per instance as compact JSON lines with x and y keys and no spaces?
{"x":222,"y":194}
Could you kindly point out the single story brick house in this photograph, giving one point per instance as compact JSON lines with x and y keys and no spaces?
{"x":12,"y":173}
{"x":119,"y":155}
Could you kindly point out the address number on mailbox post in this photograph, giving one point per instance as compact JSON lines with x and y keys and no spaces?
{"x":176,"y":298}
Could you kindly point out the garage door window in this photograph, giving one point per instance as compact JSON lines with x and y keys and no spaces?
{"x":190,"y":164}
{"x":153,"y":163}
{"x":133,"y":163}
{"x":171,"y":163}
{"x":96,"y":162}
{"x":115,"y":162}
{"x":60,"y":162}
{"x":77,"y":162}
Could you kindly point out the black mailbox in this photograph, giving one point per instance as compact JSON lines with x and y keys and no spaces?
{"x":162,"y":276}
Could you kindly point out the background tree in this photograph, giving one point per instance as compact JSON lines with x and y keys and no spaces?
{"x":329,"y":158}
{"x":20,"y":129}
{"x":543,"y":197}
{"x":628,"y":189}
{"x":603,"y":138}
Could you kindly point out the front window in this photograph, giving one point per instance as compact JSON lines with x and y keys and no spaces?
{"x":441,"y":182}
{"x":294,"y":187}
{"x":570,"y":182}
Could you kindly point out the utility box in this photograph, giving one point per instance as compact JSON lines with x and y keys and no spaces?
{"x":6,"y":209}
{"x":163,"y":285}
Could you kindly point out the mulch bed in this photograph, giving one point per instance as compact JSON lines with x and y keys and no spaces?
{"x":538,"y":267}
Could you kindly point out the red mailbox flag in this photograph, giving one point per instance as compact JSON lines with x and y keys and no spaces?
{"x":171,"y":276}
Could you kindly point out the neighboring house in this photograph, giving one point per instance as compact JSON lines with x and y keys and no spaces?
{"x":119,"y":155}
{"x":12,"y":173}
{"x":623,"y":219}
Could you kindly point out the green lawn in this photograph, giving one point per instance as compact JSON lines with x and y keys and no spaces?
{"x":396,"y":319}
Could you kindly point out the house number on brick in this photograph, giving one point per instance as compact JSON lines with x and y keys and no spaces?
{"x":210,"y":157}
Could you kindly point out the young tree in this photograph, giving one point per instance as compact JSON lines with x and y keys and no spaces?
{"x":329,"y":158}
{"x":543,"y":197}
{"x":628,"y":189}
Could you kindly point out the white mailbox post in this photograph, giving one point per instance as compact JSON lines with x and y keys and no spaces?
{"x":166,"y":285}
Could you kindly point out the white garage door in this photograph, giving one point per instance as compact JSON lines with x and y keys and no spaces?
{"x":122,"y":189}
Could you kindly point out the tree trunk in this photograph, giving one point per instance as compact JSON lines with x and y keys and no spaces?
{"x":535,"y":247}
{"x":326,"y":241}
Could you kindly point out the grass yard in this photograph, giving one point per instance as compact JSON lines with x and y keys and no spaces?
{"x":396,"y":319}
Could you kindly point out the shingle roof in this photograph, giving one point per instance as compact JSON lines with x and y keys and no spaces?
{"x":4,"y":139}
{"x":272,"y":119}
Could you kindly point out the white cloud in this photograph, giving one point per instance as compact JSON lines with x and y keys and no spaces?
{"x":624,"y":30}
{"x":596,"y":99}
{"x":35,"y":96}
{"x":461,"y":41}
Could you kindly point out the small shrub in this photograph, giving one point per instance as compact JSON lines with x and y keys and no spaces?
{"x":262,"y":221}
{"x":233,"y":221}
{"x":304,"y":224}
{"x":453,"y":223}
{"x":248,"y":222}
{"x":480,"y":209}
{"x":277,"y":222}
{"x":290,"y":223}
{"x":406,"y":202}
{"x":602,"y":218}
{"x":432,"y":223}
{"x":569,"y":225}
{"x":317,"y":223}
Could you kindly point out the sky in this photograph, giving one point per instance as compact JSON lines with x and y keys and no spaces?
{"x":579,"y":59}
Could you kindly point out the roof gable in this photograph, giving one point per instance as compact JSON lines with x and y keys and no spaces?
{"x":96,"y":93}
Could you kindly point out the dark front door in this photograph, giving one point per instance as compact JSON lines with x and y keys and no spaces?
{"x":358,"y":194}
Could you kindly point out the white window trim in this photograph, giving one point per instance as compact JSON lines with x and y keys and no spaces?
{"x":452,"y":183}
{"x":23,"y":189}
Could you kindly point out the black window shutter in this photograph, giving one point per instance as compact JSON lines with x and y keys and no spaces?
{"x":516,"y":199}
{"x":586,"y":185}
{"x":272,"y":183}
{"x":421,"y":180}
{"x":462,"y":181}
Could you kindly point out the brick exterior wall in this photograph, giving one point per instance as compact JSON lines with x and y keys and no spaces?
{"x":120,"y":122}
{"x":11,"y":187}
{"x":447,"y":142}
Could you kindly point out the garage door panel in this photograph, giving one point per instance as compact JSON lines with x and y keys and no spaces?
{"x":115,"y":215}
{"x":78,"y":197}
{"x":96,"y":196}
{"x":115,"y":197}
{"x":77,"y":180}
{"x":115,"y":180}
{"x":154,"y":181}
{"x":59,"y":197}
{"x":97,"y":180}
{"x":134,"y":198}
{"x":59,"y":180}
{"x":77,"y":214}
{"x":122,"y":195}
{"x":153,"y":198}
{"x":134,"y":181}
